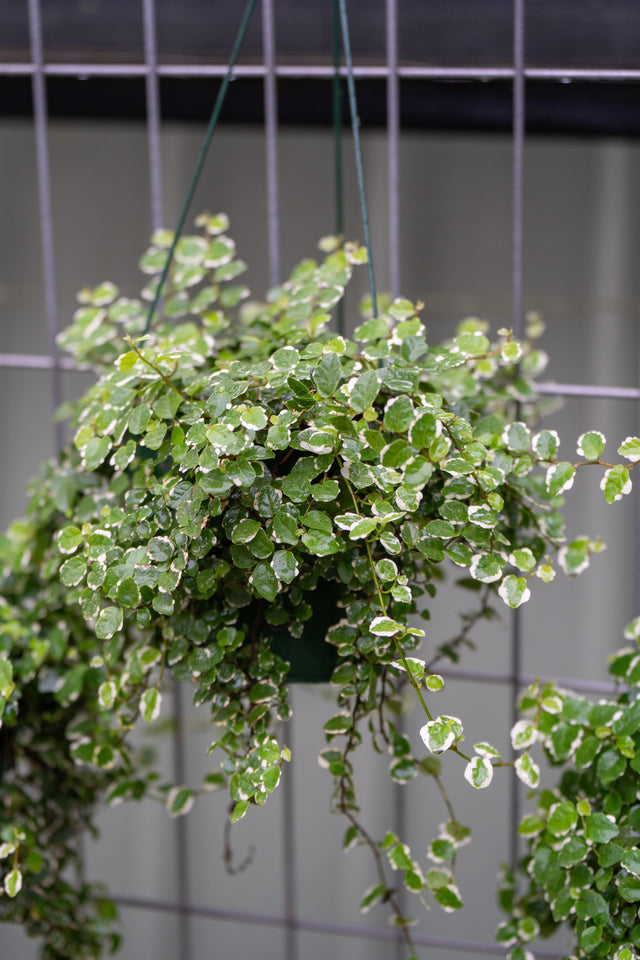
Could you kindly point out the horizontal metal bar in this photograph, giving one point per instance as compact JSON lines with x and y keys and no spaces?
{"x":312,"y":926}
{"x":317,"y":71}
{"x":485,"y":676}
{"x":32,"y":361}
{"x":584,"y":390}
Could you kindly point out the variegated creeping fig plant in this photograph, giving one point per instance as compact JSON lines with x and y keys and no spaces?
{"x":226,"y":471}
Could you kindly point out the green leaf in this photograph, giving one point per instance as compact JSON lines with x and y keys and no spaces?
{"x":179,"y":801}
{"x":109,"y":622}
{"x":254,"y":418}
{"x":327,"y":375}
{"x":514,"y":591}
{"x":449,"y":898}
{"x":285,"y":528}
{"x":531,"y":825}
{"x":69,"y":539}
{"x":263,"y":692}
{"x":13,"y":883}
{"x":124,"y":455}
{"x":326,"y":491}
{"x":591,"y":445}
{"x":154,"y":437}
{"x":300,"y":390}
{"x":6,"y":678}
{"x":264,"y":582}
{"x":414,"y":666}
{"x":562,"y":818}
{"x":560,"y":477}
{"x":244,"y":531}
{"x":610,"y":766}
{"x":629,"y":722}
{"x":278,"y":437}
{"x":403,"y":770}
{"x":160,"y":549}
{"x":397,"y":453}
{"x":486,"y":567}
{"x":545,"y":444}
{"x":574,"y":851}
{"x":107,"y":694}
{"x":527,"y":770}
{"x":511,"y":351}
{"x":441,"y":850}
{"x":73,"y":570}
{"x":630,"y":449}
{"x":629,"y":889}
{"x":372,"y":896}
{"x":399,"y":414}
{"x":599,"y":828}
{"x":95,"y":452}
{"x":385,"y":627}
{"x":150,"y":703}
{"x":590,"y":937}
{"x":321,"y":544}
{"x":441,"y":529}
{"x":516,"y":436}
{"x":340,"y":723}
{"x":362,"y":528}
{"x":364,"y":391}
{"x":284,"y":565}
{"x":166,"y":406}
{"x":479,"y":772}
{"x":139,"y":419}
{"x":473,"y":343}
{"x":615,"y":483}
{"x":128,"y":593}
{"x":574,"y":558}
{"x":436,"y":879}
{"x":440,"y":734}
{"x":374,"y":329}
{"x":631,"y":861}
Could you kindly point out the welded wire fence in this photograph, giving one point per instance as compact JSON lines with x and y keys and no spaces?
{"x":270,"y":72}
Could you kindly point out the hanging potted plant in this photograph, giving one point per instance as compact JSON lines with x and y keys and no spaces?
{"x":242,"y":485}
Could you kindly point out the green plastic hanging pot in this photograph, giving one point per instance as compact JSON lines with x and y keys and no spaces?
{"x":312,"y":659}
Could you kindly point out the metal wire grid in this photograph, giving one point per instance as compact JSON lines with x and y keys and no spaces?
{"x":270,"y":71}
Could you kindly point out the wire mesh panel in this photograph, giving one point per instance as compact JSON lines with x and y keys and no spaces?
{"x":395,"y":48}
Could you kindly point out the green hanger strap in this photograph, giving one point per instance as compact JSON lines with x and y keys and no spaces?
{"x":355,"y":125}
{"x":222,"y":92}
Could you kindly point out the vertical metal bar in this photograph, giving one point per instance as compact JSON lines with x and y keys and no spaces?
{"x":400,"y":820}
{"x":152,"y":86}
{"x":40,"y":114}
{"x":289,"y":881}
{"x":518,"y":327}
{"x":336,"y":109}
{"x":183,"y":892}
{"x":289,"y":854}
{"x":518,"y":165}
{"x":393,"y":189}
{"x":271,"y":136}
{"x":393,"y":140}
{"x":153,"y":111}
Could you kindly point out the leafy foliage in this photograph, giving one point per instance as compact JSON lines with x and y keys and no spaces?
{"x":232,"y":475}
{"x":583,"y":861}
